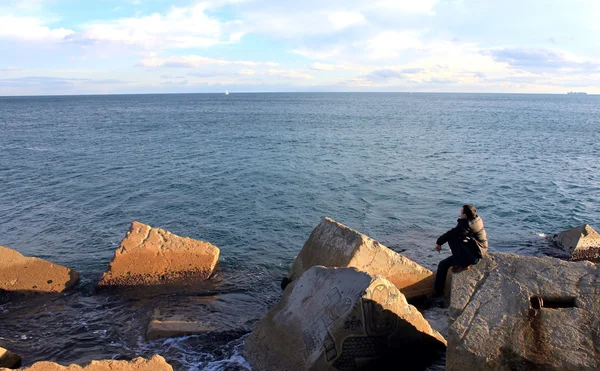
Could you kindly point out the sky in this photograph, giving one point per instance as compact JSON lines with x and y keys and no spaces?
{"x":52,"y":47}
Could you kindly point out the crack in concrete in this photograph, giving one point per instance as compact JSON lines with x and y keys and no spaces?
{"x":147,"y":236}
{"x":469,"y":327}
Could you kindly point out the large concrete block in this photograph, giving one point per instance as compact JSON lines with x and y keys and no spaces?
{"x":152,"y":255}
{"x":156,"y":363}
{"x":583,"y":243}
{"x":525,"y":313}
{"x":332,"y":244}
{"x":9,"y":359}
{"x":21,"y":274}
{"x":342,"y":319}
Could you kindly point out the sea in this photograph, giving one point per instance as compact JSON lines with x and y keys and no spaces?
{"x":253,"y":174}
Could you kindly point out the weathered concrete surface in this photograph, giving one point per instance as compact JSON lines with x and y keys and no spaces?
{"x":21,"y":274}
{"x":151,"y":256}
{"x":583,"y":243}
{"x":496,"y":322}
{"x":342,"y":319}
{"x":221,"y":315}
{"x":332,"y":244}
{"x":156,"y":363}
{"x":9,"y":359}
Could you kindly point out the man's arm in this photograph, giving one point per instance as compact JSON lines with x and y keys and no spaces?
{"x":459,"y":232}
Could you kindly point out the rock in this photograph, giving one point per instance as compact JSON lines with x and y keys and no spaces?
{"x":332,"y":244}
{"x":213,"y":315}
{"x":9,"y":359}
{"x":25,"y":275}
{"x":525,"y":313}
{"x":583,"y":243}
{"x":156,"y":363}
{"x":151,"y":256}
{"x":344,"y":319}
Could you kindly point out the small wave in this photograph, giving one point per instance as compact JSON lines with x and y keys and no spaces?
{"x":235,"y":362}
{"x":543,"y":235}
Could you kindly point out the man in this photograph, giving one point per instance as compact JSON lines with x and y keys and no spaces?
{"x":468,"y":243}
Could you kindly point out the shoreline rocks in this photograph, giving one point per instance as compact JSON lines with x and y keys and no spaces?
{"x":156,"y":363}
{"x":342,"y":318}
{"x":29,"y":275}
{"x":149,"y":256}
{"x":9,"y":359}
{"x":582,"y":242}
{"x":514,"y":312}
{"x":333,"y":244}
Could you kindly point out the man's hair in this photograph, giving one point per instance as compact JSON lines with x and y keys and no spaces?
{"x":470,"y":211}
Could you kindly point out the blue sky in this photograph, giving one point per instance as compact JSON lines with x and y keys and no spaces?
{"x":171,"y":46}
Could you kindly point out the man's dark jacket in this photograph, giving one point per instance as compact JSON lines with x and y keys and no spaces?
{"x":465,"y":230}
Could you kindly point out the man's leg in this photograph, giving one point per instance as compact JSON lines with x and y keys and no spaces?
{"x":440,"y":276}
{"x":463,"y":257}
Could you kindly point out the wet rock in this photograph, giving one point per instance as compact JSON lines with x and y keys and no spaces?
{"x":583,"y":243}
{"x":332,"y":244}
{"x":156,"y":363}
{"x":211,"y":315}
{"x":151,"y":256}
{"x":9,"y":359}
{"x":525,"y":313}
{"x":25,"y":275}
{"x":344,"y":319}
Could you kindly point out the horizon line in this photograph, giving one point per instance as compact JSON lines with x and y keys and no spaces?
{"x":286,"y":92}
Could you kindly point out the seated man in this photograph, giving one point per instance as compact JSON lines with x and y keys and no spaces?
{"x":468,"y":243}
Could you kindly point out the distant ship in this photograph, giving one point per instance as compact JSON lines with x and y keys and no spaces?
{"x":577,"y":93}
{"x":227,"y":93}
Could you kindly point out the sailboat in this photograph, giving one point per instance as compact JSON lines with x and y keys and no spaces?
{"x":226,"y":92}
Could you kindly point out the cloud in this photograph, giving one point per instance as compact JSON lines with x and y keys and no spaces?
{"x":289,"y":74}
{"x":383,"y":75}
{"x":317,"y":66}
{"x":389,"y":44}
{"x":540,"y":59}
{"x":49,"y":81}
{"x":180,"y":27}
{"x":30,"y":29}
{"x":341,"y":20}
{"x":318,"y":53}
{"x":441,"y":80}
{"x":387,"y":74}
{"x":195,"y":61}
{"x":11,"y":69}
{"x":412,"y":70}
{"x":406,"y":6}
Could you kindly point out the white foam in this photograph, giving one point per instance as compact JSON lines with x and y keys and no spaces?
{"x":541,"y":235}
{"x":236,"y":358}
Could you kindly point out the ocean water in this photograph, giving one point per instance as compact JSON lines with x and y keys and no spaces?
{"x":254,"y":174}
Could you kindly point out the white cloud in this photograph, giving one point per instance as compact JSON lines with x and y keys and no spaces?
{"x":289,"y":74}
{"x":195,"y":61}
{"x":181,"y":27}
{"x":318,"y":66}
{"x":30,"y":29}
{"x":323,"y":66}
{"x":324,"y":53}
{"x":341,"y":20}
{"x":11,"y":69}
{"x":406,"y":6}
{"x":388,"y":44}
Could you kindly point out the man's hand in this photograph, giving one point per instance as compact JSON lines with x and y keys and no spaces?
{"x":438,"y":248}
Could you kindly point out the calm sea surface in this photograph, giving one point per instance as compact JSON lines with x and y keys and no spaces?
{"x":254,"y":174}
